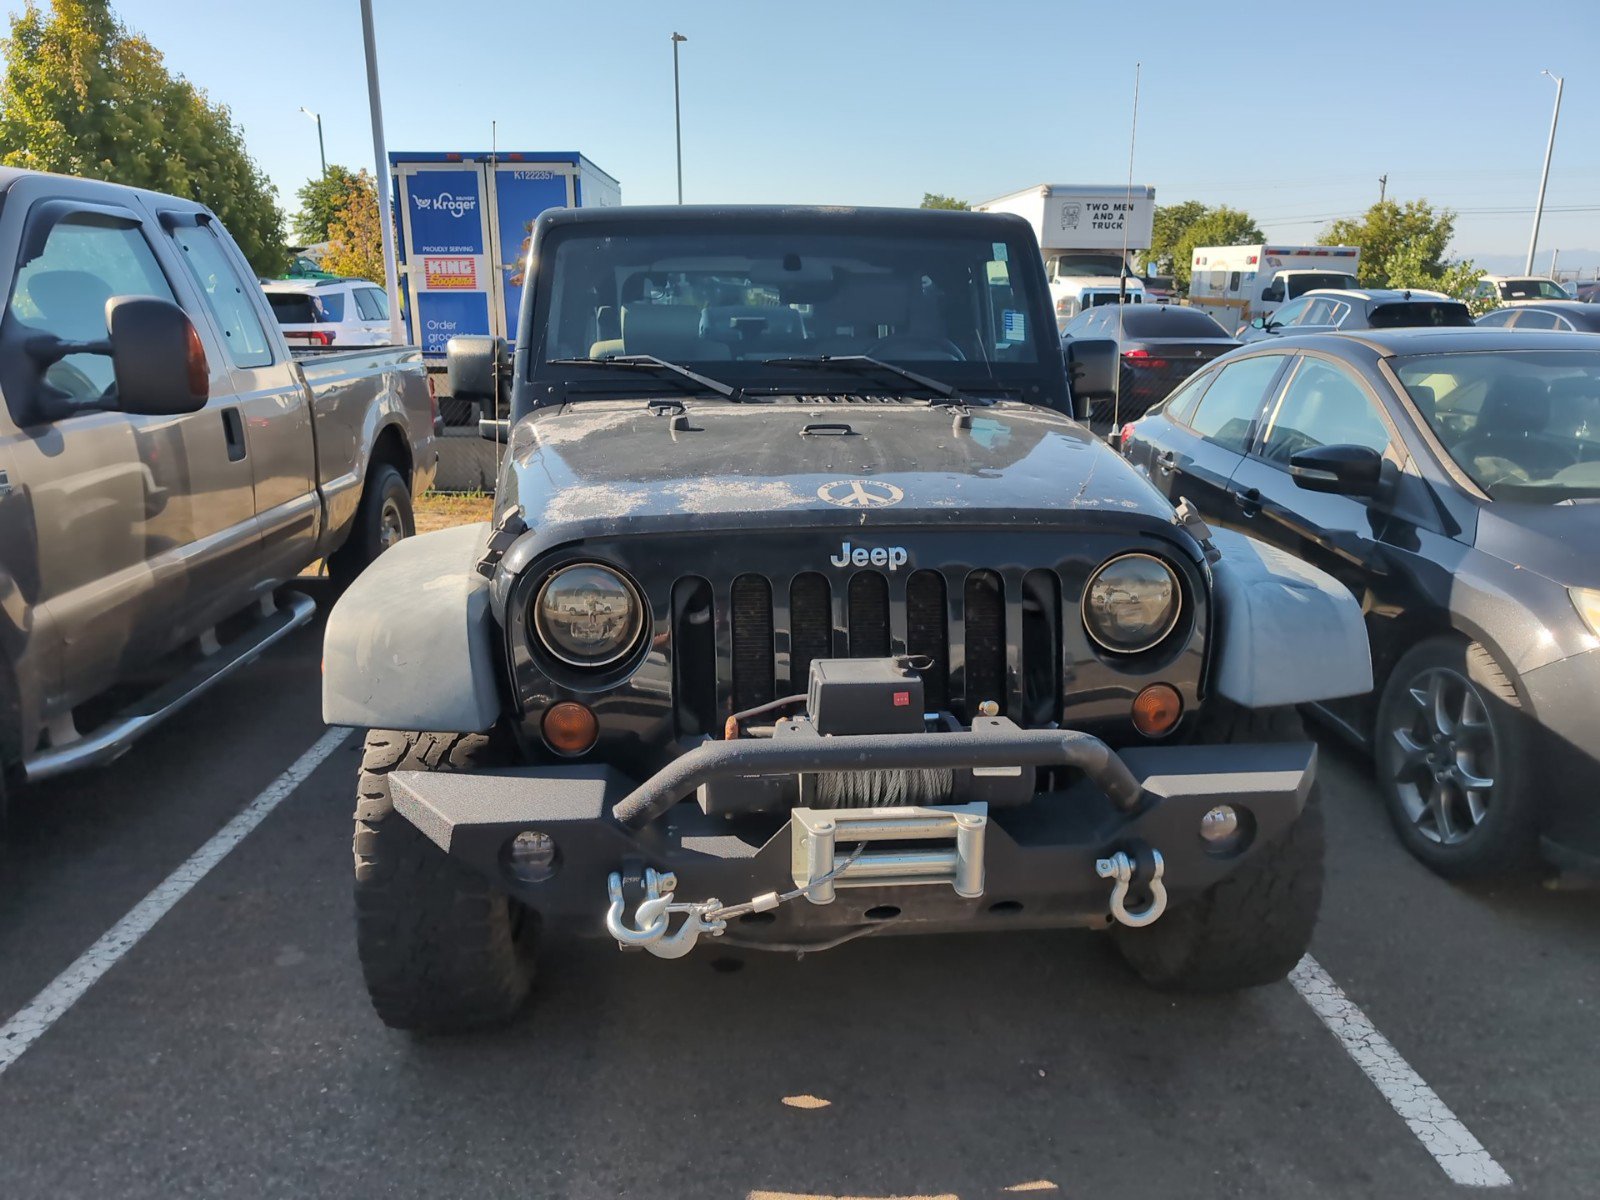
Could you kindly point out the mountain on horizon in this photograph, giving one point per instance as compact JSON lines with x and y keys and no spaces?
{"x":1585,"y":262}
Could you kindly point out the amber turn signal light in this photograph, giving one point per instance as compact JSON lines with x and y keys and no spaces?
{"x":570,"y":728}
{"x":1156,"y":709}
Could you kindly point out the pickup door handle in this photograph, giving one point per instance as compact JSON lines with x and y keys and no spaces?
{"x":1166,"y":462}
{"x":1249,"y":500}
{"x":233,"y":431}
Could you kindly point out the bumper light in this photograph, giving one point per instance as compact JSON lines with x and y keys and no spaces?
{"x":531,"y":856}
{"x":1156,"y":709}
{"x":570,"y":728}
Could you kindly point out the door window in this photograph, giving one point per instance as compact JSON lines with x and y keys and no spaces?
{"x":1290,"y":314}
{"x":1227,"y":412}
{"x":1536,"y":320}
{"x":1500,"y":317}
{"x":87,"y":259}
{"x":1322,"y":406}
{"x":225,"y":295}
{"x":1178,"y":405}
{"x":374,"y":305}
{"x":1318,"y":312}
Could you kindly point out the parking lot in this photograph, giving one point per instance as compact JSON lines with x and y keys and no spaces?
{"x":230,"y":1050}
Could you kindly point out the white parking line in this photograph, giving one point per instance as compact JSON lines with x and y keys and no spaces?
{"x":30,"y":1022}
{"x":1443,"y":1135}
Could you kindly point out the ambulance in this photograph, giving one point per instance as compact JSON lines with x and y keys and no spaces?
{"x":1236,"y":284}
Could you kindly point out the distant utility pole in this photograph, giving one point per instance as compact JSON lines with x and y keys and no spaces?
{"x":1538,"y":212}
{"x":1383,"y":187}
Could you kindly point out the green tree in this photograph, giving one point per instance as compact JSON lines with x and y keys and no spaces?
{"x":1407,"y":267}
{"x":320,"y":200}
{"x":1220,"y":226}
{"x":935,"y":200}
{"x":1414,"y":229}
{"x":355,"y":239}
{"x":1171,"y":222}
{"x":83,"y":95}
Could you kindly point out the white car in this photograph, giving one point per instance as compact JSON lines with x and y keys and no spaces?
{"x":330,"y":312}
{"x":1520,"y":289}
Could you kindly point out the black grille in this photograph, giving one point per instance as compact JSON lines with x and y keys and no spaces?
{"x":752,"y":642}
{"x":810,"y":626}
{"x":928,"y":635}
{"x":869,"y":616}
{"x":985,"y":640}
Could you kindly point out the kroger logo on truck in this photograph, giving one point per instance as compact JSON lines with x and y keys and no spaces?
{"x":456,"y":206}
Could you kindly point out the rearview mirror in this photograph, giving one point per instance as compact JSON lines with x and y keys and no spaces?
{"x":156,"y":357}
{"x":1092,"y":368}
{"x":1341,"y":470}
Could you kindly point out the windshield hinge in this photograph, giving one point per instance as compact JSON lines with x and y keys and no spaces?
{"x":507,"y":530}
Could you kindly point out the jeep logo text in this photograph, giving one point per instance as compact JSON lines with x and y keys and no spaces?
{"x":893,"y":557}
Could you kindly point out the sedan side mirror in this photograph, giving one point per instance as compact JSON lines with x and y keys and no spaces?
{"x":1341,"y":470}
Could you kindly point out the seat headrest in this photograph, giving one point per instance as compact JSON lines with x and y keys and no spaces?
{"x":646,"y":325}
{"x":73,"y":303}
{"x":1514,"y":406}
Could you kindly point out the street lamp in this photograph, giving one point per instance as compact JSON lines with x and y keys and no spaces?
{"x":677,"y":111}
{"x":1538,"y":211}
{"x":323,"y":154}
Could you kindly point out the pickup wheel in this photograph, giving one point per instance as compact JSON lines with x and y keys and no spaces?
{"x":383,"y":519}
{"x":1252,"y":927}
{"x":442,"y":950}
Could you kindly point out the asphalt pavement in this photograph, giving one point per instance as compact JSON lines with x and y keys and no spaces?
{"x":229,"y":1050}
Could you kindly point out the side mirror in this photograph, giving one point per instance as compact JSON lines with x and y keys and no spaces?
{"x":1341,"y":470}
{"x":1273,"y":294}
{"x":478,"y":371}
{"x":1259,"y":323}
{"x":156,"y":357}
{"x":1092,"y":368}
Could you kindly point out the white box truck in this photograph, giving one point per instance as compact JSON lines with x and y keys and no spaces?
{"x":1236,"y":284}
{"x":1090,"y":236}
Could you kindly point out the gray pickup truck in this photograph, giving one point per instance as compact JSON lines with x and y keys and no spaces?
{"x":166,"y":464}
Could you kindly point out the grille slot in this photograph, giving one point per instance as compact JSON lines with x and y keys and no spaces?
{"x":928,"y":634}
{"x":869,"y":616}
{"x":694,"y":657}
{"x":753,"y":665}
{"x":985,"y":641}
{"x":1041,"y":647}
{"x":810,"y":626}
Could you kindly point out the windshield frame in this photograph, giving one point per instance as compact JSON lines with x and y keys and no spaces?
{"x":1042,"y":381}
{"x":1500,"y":491}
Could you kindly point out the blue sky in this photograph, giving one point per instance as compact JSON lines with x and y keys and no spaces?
{"x":1289,"y":111}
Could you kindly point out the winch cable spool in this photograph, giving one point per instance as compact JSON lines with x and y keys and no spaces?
{"x":882,"y":789}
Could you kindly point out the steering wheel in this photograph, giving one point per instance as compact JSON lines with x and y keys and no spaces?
{"x":908,"y":346}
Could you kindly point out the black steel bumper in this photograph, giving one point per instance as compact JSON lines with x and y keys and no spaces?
{"x":1038,"y":861}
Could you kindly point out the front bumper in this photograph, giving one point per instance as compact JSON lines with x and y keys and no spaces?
{"x":1563,"y":697}
{"x":1035,"y":866}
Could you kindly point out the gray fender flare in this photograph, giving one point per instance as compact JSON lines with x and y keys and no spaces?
{"x":411,"y":644}
{"x":1286,"y":632}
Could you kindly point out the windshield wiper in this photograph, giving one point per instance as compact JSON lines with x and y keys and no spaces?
{"x":649,"y":362}
{"x":861,"y":364}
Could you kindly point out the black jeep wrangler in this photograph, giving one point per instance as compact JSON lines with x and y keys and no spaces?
{"x":809,"y":613}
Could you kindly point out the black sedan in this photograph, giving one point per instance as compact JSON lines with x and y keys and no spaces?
{"x":1343,"y":309}
{"x":1451,"y":478}
{"x":1569,"y":316}
{"x":1160,"y":345}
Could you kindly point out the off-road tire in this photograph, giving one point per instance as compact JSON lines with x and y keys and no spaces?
{"x":442,"y":950}
{"x":386,"y":496}
{"x":1507,"y":837}
{"x":1251,"y":928}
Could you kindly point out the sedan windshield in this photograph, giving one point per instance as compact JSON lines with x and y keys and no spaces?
{"x":958,"y":306}
{"x":1524,"y":424}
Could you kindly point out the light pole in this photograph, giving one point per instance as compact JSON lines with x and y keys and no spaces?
{"x":380,"y":157}
{"x":677,"y":110}
{"x":1538,"y":211}
{"x":321,"y":153}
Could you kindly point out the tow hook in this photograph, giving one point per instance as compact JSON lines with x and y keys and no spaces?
{"x":1124,"y":870}
{"x":651,"y":919}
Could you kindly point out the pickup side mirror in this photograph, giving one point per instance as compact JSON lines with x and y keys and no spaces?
{"x":157,"y":358}
{"x":1273,"y":293}
{"x":1342,"y":470}
{"x":1092,"y":368}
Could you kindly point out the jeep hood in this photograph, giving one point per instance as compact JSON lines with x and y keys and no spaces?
{"x":600,"y":468}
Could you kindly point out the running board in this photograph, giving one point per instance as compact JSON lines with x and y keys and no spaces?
{"x":113,"y":739}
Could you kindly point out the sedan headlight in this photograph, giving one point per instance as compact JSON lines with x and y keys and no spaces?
{"x":588,"y":615}
{"x":1587,"y":602}
{"x":1131,"y":603}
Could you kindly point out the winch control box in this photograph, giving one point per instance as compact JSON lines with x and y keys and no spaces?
{"x":864,"y":695}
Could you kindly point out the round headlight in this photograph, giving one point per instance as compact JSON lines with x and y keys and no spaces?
{"x":1131,"y":603}
{"x":588,"y":615}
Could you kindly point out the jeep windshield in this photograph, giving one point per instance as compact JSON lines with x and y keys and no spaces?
{"x":947,"y":306}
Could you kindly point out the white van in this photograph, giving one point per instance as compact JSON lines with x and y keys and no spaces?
{"x":1237,"y":284}
{"x":317,"y":313}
